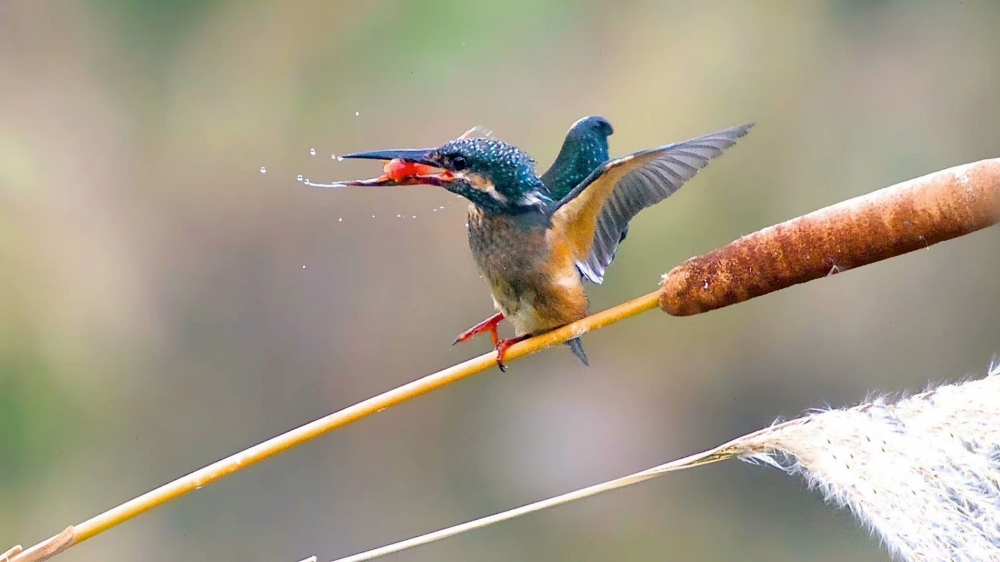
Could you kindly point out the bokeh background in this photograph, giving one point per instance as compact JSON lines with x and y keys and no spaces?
{"x":164,"y":303}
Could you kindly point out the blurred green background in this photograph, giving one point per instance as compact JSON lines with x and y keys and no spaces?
{"x":163,"y":303}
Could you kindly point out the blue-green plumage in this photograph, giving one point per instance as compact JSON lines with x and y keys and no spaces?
{"x":584,"y":149}
{"x":537,"y":238}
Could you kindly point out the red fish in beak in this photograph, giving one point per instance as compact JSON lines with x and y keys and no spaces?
{"x":400,"y":170}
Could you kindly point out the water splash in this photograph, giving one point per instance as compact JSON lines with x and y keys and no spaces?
{"x":299,"y":177}
{"x":334,"y":185}
{"x":312,"y":152}
{"x":263,"y":170}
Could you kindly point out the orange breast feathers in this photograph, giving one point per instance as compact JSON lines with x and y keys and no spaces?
{"x":561,"y":265}
{"x":577,"y":220}
{"x":564,"y":300}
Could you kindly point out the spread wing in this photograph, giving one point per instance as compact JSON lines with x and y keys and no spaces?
{"x":596,"y":213}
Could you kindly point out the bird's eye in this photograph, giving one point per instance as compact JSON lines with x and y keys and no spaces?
{"x":458,"y":163}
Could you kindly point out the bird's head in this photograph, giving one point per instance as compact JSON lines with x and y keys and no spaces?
{"x":496,"y":176}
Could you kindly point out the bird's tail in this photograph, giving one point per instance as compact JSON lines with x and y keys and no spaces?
{"x":577,"y":347}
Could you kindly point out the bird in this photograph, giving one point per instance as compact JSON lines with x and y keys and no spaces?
{"x":538,"y":239}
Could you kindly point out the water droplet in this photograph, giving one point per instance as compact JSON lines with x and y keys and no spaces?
{"x":357,"y":113}
{"x":299,"y":177}
{"x":414,"y":216}
{"x":333,"y":156}
{"x":398,"y":216}
{"x":312,"y":152}
{"x":341,"y":219}
{"x":373,"y":216}
{"x":466,"y":225}
{"x":435,"y":210}
{"x":303,"y":267}
{"x":263,"y":170}
{"x":331,"y":185}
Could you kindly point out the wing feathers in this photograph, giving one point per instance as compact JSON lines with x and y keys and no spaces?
{"x":596,"y":213}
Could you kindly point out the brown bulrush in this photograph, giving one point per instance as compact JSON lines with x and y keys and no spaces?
{"x":886,"y":223}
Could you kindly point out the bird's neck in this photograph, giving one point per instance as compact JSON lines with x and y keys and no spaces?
{"x":522,"y":217}
{"x":520,"y":214}
{"x":530,"y":199}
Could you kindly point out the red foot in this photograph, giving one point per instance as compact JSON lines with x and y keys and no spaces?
{"x":488,"y":325}
{"x":502,"y":349}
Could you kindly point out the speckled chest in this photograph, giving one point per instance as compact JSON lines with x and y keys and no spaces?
{"x":511,"y":252}
{"x":533,"y":278}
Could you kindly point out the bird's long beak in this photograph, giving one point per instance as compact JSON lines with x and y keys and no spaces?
{"x":412,"y":155}
{"x":403,"y":167}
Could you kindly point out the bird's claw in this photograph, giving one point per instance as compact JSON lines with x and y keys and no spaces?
{"x":502,"y":347}
{"x":488,"y":325}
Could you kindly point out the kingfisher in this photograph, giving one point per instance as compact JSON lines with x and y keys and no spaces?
{"x":537,"y":239}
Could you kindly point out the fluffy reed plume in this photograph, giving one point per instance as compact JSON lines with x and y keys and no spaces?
{"x":922,"y":472}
